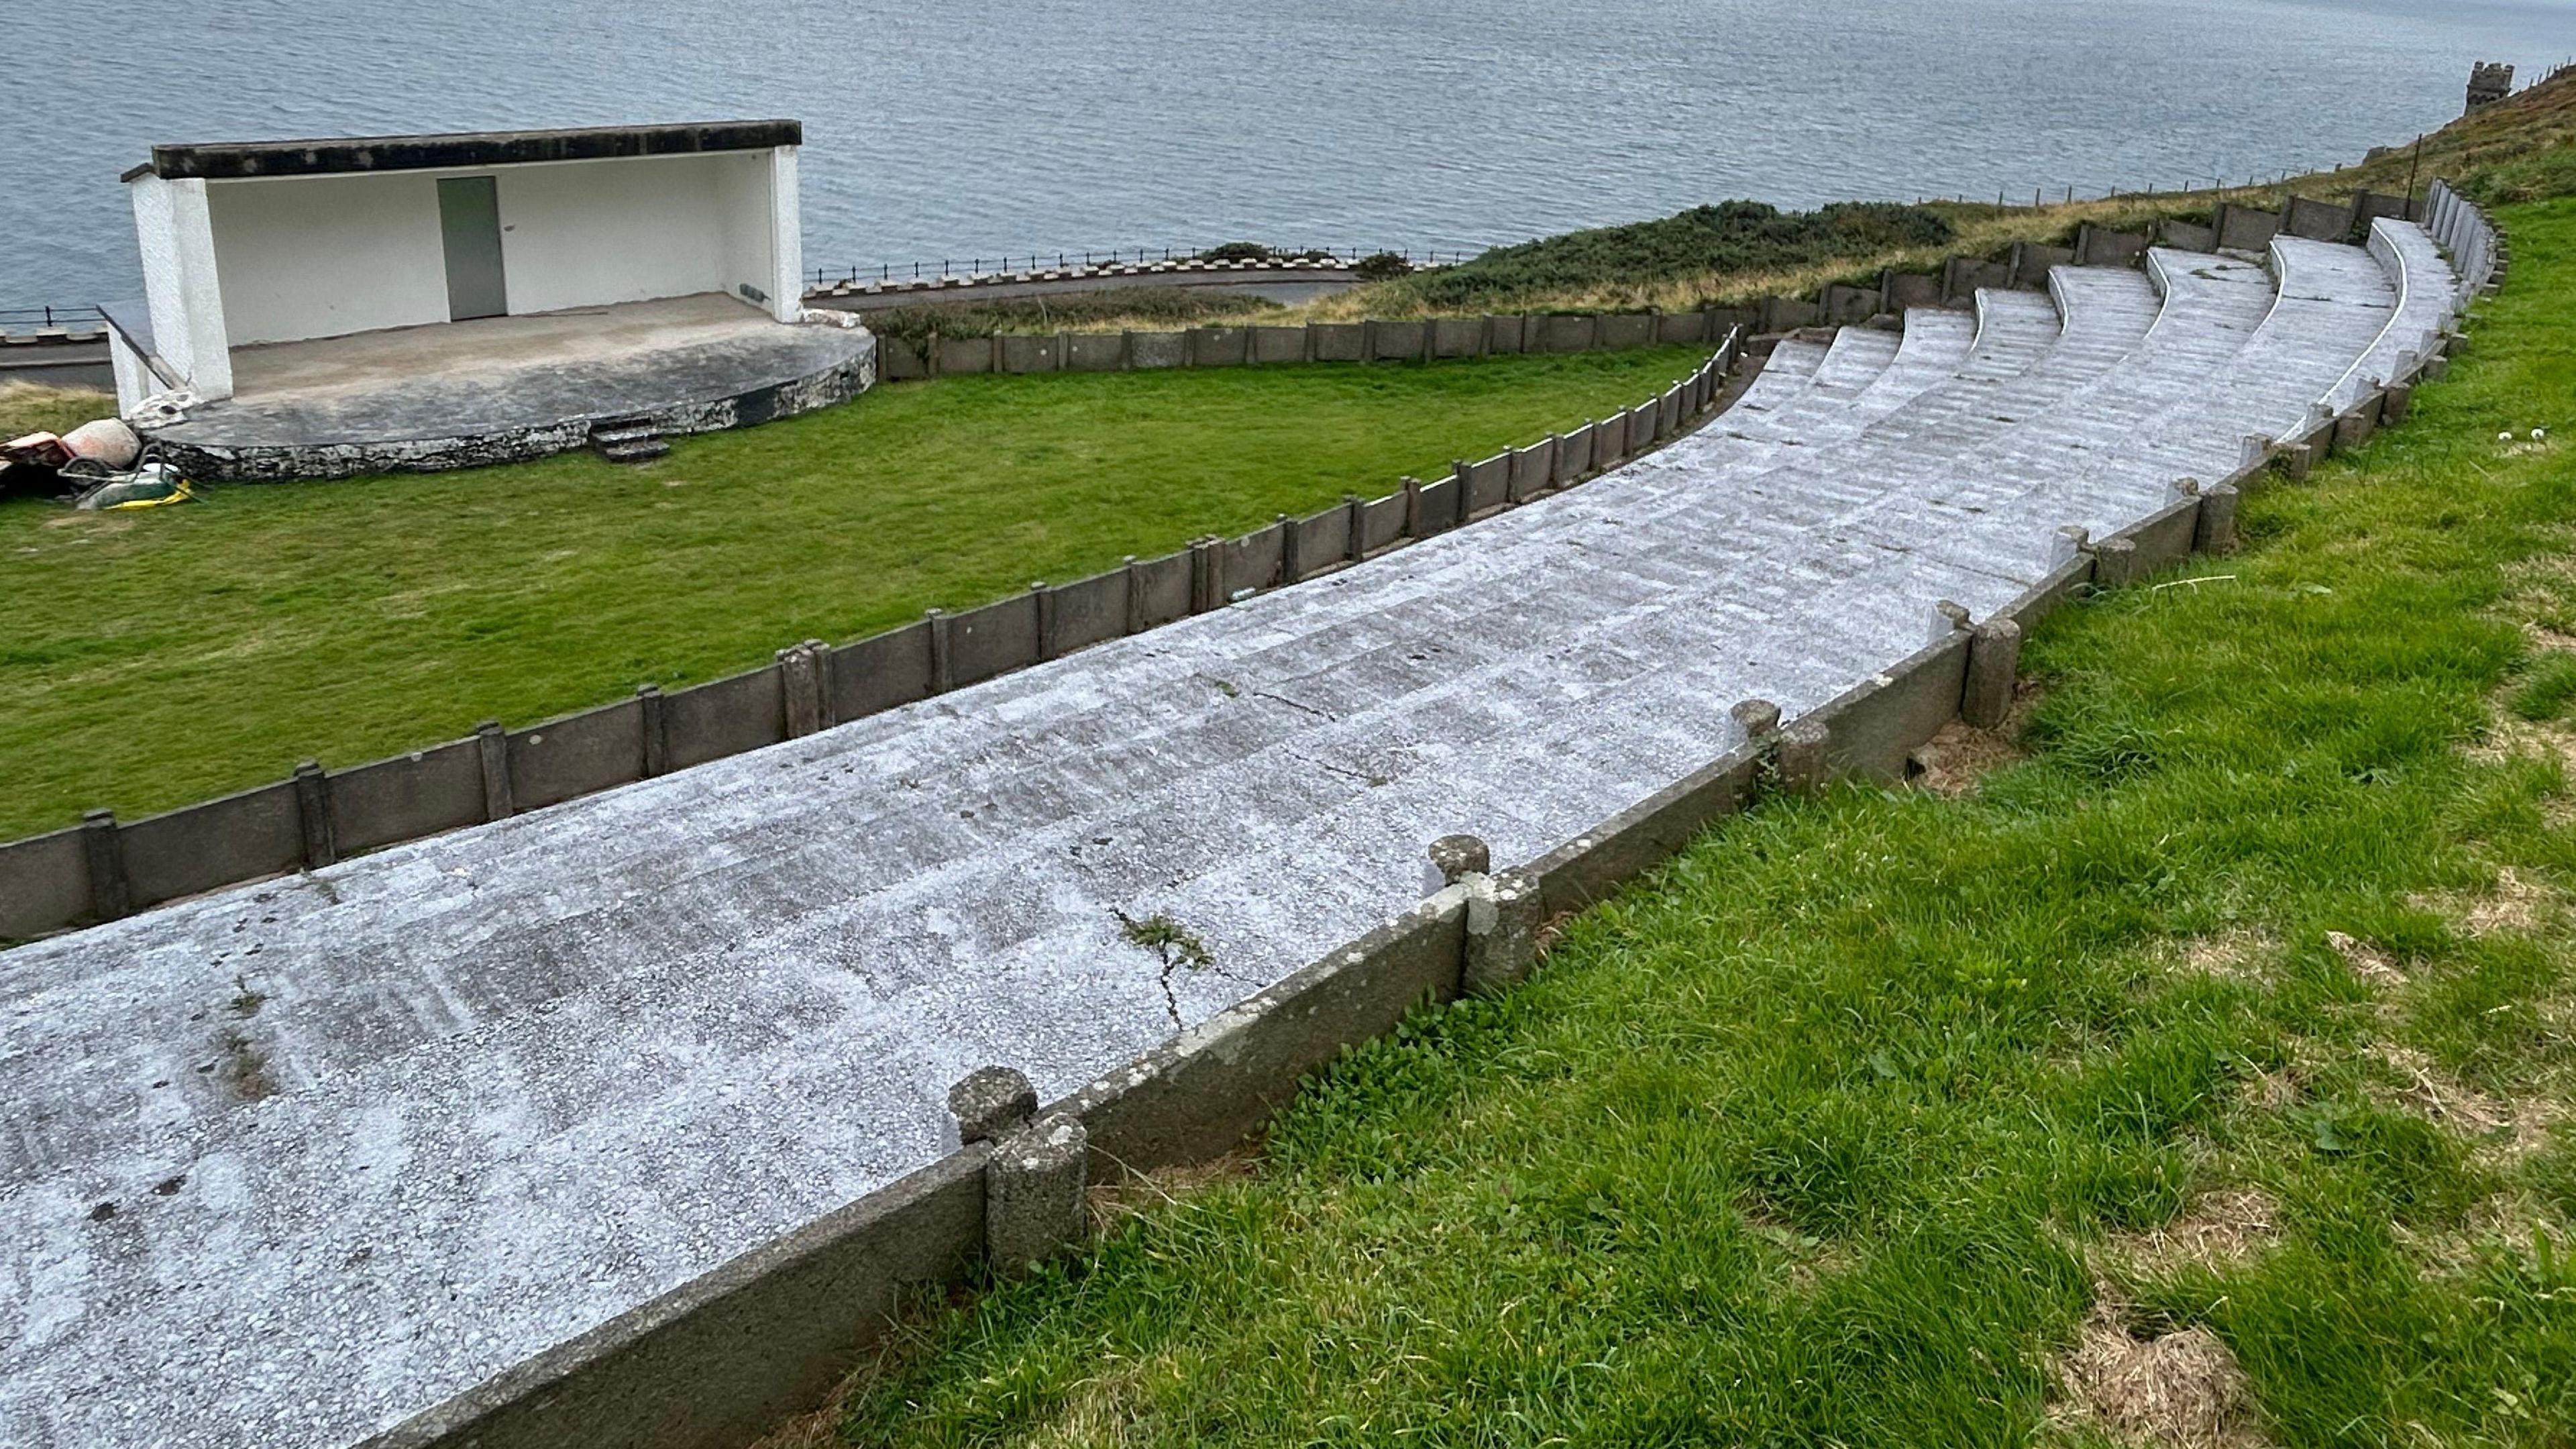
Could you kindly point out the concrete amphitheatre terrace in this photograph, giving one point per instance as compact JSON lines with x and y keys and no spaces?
{"x":620,"y":1122}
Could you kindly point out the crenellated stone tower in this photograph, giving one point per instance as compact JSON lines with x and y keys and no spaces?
{"x":2489,"y":83}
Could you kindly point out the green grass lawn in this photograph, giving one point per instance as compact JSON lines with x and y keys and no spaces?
{"x":2229,"y":1031}
{"x":151,"y":659}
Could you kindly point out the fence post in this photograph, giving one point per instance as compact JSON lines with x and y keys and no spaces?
{"x":1355,"y":547}
{"x":1463,"y":473}
{"x":492,"y":748}
{"x":940,"y":672}
{"x":1207,"y":574}
{"x":1135,"y":595}
{"x":103,"y":848}
{"x":799,"y":692}
{"x":1994,"y":662}
{"x":1042,"y":599}
{"x":313,"y":813}
{"x":655,"y":740}
{"x":1412,"y":506}
{"x":1292,"y":538}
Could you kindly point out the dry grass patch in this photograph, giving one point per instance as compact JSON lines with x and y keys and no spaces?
{"x":1951,"y":762}
{"x":2218,"y":1231}
{"x":2180,"y":1390}
{"x":1113,"y":1203}
{"x":2235,"y":954}
{"x":2367,"y":961}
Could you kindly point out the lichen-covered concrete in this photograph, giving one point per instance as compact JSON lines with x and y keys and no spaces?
{"x":502,"y":389}
{"x":290,"y":1163}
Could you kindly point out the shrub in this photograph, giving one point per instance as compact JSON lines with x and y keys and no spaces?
{"x":1731,"y":236}
{"x":1383,"y":267}
{"x":1236,"y":251}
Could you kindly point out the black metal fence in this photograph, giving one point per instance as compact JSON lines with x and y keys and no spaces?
{"x":1065,"y":261}
{"x":43,"y":321}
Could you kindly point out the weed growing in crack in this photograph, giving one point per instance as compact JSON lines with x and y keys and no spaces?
{"x":1172,"y":943}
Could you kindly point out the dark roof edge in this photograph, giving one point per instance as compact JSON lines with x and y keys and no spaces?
{"x":235,"y":160}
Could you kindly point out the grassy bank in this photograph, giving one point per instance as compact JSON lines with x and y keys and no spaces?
{"x":150,"y":660}
{"x":2203,"y":1076}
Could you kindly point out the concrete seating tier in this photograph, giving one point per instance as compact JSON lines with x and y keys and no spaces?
{"x":371,"y":1136}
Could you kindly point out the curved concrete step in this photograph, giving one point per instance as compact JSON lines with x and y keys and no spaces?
{"x":2426,"y":292}
{"x":2333,"y":302}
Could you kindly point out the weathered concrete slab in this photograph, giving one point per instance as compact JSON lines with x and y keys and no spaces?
{"x":427,"y":1113}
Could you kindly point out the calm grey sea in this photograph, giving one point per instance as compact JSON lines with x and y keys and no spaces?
{"x":979,"y":126}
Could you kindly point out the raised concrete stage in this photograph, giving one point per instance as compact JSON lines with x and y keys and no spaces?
{"x":290,"y":1164}
{"x":504,"y":389}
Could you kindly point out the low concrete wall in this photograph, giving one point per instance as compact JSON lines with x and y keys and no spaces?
{"x":719,"y":1361}
{"x":2187,"y":236}
{"x":2244,"y":229}
{"x":2317,"y":220}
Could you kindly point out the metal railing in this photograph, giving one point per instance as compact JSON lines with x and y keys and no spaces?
{"x":47,"y":321}
{"x":1012,"y":263}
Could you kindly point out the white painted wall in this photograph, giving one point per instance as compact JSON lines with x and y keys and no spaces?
{"x":320,"y":256}
{"x":279,"y":259}
{"x":786,"y":236}
{"x":588,"y":233}
{"x":134,"y":380}
{"x":174,"y":230}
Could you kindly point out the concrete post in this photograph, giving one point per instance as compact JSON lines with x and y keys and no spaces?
{"x":1368,"y":339}
{"x":2252,"y":452}
{"x":1207,"y":575}
{"x":1760,"y":720}
{"x":1452,"y":859}
{"x":942,"y":675}
{"x":1464,"y":474}
{"x":103,"y":850}
{"x":1504,"y":913}
{"x":1412,"y":507}
{"x":2396,"y":402}
{"x":1355,"y":547}
{"x":2297,"y":460}
{"x":656,"y":733}
{"x":990,"y":1101}
{"x":1804,"y":750}
{"x":492,"y":748}
{"x":2353,"y":428}
{"x":313,"y":815}
{"x":1948,"y":618}
{"x":1994,"y":662}
{"x":2071,"y":543}
{"x":1033,"y":1201}
{"x":2115,"y":563}
{"x":1135,"y":594}
{"x":2215,"y":530}
{"x":1292,"y":550}
{"x":1759,"y":717}
{"x":800,"y":694}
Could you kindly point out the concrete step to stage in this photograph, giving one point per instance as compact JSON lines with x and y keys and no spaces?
{"x":627,"y":440}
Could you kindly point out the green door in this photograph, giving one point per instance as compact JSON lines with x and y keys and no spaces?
{"x":469,"y":220}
